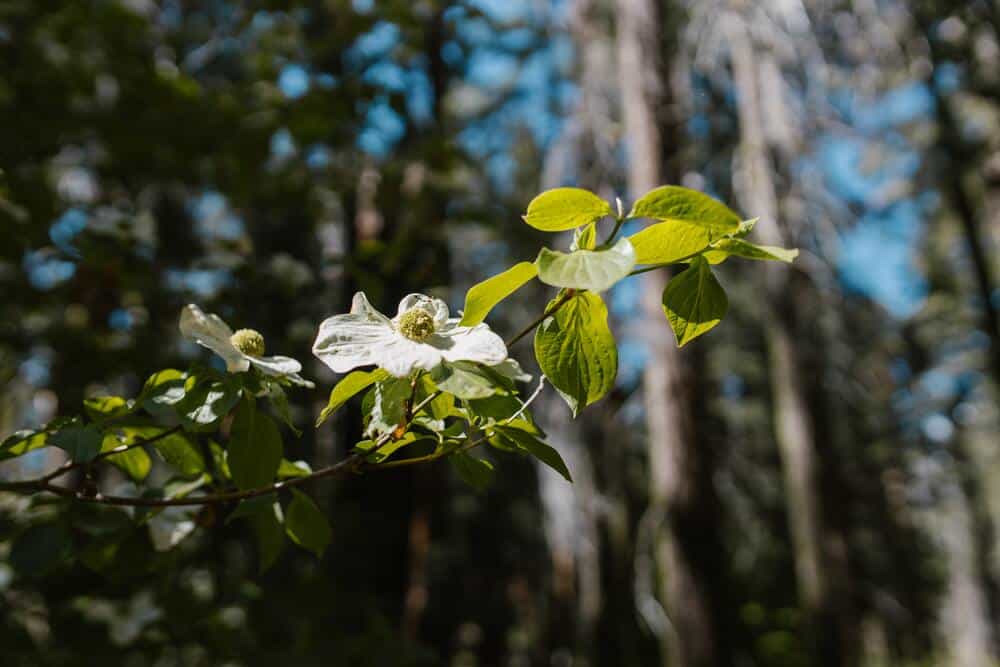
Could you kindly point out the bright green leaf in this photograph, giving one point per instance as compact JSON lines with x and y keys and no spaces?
{"x":22,"y":442}
{"x":725,"y":248}
{"x":134,"y":462}
{"x":481,"y":298}
{"x":306,"y":525}
{"x":349,"y":386}
{"x":671,"y":241}
{"x":576,"y":351}
{"x":672,"y":202}
{"x":565,"y":208}
{"x":254,"y":450}
{"x":107,"y":407}
{"x":694,"y":302}
{"x":477,"y":473}
{"x":594,"y":270}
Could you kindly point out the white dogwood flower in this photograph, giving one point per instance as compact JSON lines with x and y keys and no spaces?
{"x":239,"y":349}
{"x":421,"y":336}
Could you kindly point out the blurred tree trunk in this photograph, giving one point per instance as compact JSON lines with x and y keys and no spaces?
{"x":816,"y":564}
{"x":684,"y":505}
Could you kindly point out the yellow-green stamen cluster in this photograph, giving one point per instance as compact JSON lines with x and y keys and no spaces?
{"x":249,"y":342}
{"x":416,"y":324}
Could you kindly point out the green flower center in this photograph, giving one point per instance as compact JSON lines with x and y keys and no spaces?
{"x":416,"y":324}
{"x":249,"y":342}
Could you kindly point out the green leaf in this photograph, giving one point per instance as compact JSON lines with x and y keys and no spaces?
{"x":576,"y":351}
{"x":82,"y":443}
{"x":254,"y":451}
{"x":481,"y":298}
{"x":672,"y":202}
{"x":306,"y":525}
{"x":209,"y":402}
{"x":694,"y":301}
{"x":477,"y":473}
{"x":671,"y":241}
{"x":464,"y":380}
{"x":22,"y":442}
{"x":532,"y":445}
{"x":107,"y":407}
{"x":288,"y":469}
{"x":388,"y":407}
{"x":279,"y":401}
{"x":387,"y":449}
{"x":135,"y":462}
{"x":178,"y":450}
{"x":725,"y":248}
{"x":163,"y":388}
{"x":565,"y":208}
{"x":584,"y":238}
{"x":266,"y":521}
{"x":352,"y":383}
{"x":594,"y":270}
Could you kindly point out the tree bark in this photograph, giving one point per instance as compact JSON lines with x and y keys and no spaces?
{"x":683,"y":500}
{"x":794,"y":427}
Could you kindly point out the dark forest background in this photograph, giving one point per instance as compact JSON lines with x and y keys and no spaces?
{"x":815,"y":482}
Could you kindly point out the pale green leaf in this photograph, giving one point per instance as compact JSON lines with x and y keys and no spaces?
{"x":464,"y":380}
{"x":576,"y":351}
{"x":694,"y":302}
{"x":584,"y":238}
{"x":565,"y":208}
{"x":594,"y":270}
{"x":306,"y":525}
{"x":673,"y":202}
{"x":349,"y":386}
{"x":388,"y":406}
{"x":481,"y":298}
{"x":726,"y":248}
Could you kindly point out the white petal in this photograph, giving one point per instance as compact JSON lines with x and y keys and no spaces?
{"x":437,"y":308}
{"x":476,"y":343}
{"x":348,"y":341}
{"x":276,"y":366}
{"x":401,"y":356}
{"x":208,"y":330}
{"x":361,"y":307}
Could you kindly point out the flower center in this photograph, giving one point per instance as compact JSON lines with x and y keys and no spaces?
{"x":249,"y":342}
{"x":416,"y":324}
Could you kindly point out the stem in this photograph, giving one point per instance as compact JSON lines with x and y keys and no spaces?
{"x":566,"y":296}
{"x":653,"y":267}
{"x":614,"y":231}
